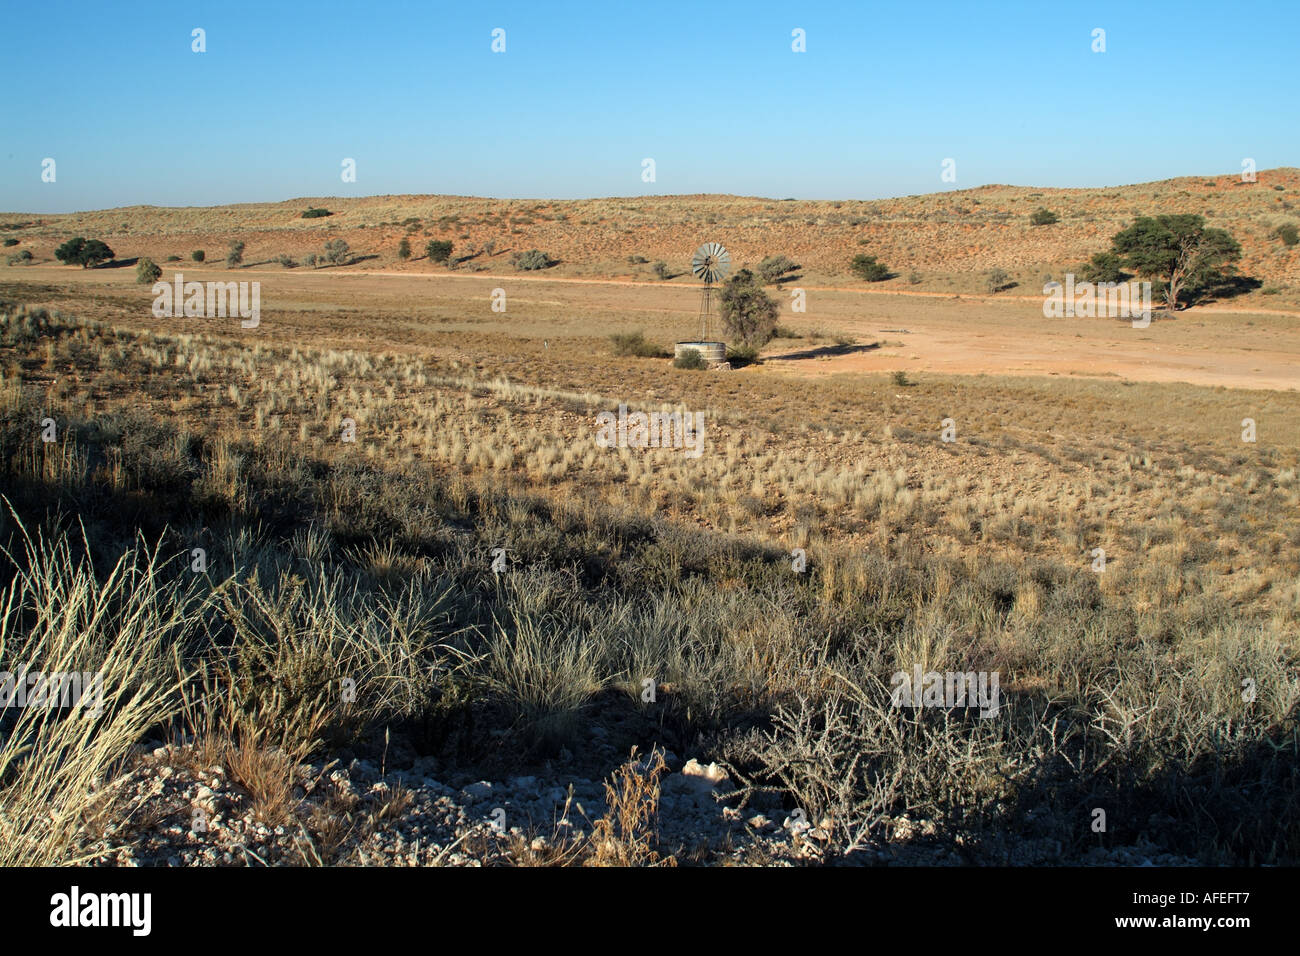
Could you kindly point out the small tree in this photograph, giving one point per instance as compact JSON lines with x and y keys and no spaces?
{"x":438,"y":250}
{"x":1288,"y":234}
{"x":315,"y":212}
{"x":866,"y":267}
{"x":197,"y":255}
{"x":748,"y":313}
{"x":1180,"y":252}
{"x":998,"y":280}
{"x":404,"y":249}
{"x":660,"y":269}
{"x":1043,"y":217}
{"x":83,"y":252}
{"x":147,"y":272}
{"x":336,"y":252}
{"x":310,"y":259}
{"x":773,"y":268}
{"x":235,"y":254}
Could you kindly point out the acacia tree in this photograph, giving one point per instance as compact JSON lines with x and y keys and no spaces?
{"x":1179,"y":251}
{"x":83,"y":252}
{"x":748,"y":313}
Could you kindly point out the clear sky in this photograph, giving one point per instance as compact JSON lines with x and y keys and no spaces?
{"x":711,"y":91}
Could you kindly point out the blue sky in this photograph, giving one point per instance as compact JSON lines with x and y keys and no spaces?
{"x":712,"y":91}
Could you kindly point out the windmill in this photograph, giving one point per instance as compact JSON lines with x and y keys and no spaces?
{"x":711,"y":264}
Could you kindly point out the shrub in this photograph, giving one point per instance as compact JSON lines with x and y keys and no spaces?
{"x":11,"y":242}
{"x":173,"y":258}
{"x":997,"y":280}
{"x":634,"y":343}
{"x":660,"y":269}
{"x":900,"y":378}
{"x":83,"y":252}
{"x":337,"y":253}
{"x":914,"y":278}
{"x":235,"y":254}
{"x":438,"y":250}
{"x":742,"y":354}
{"x":489,"y":247}
{"x":690,"y":359}
{"x":285,"y":260}
{"x":316,"y":213}
{"x":18,"y":258}
{"x":866,"y":267}
{"x":310,"y":259}
{"x":1043,"y":217}
{"x":748,"y":313}
{"x":635,"y":260}
{"x":773,"y":268}
{"x":531,"y":260}
{"x":197,"y":255}
{"x":1288,"y":234}
{"x":404,"y":249}
{"x":147,"y":272}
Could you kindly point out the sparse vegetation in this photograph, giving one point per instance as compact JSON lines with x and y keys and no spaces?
{"x":634,"y":343}
{"x":997,"y":280}
{"x":1043,"y":217}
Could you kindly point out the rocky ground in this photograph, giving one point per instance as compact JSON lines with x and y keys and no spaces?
{"x":192,"y":812}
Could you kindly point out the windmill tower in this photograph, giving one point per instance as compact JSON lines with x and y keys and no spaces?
{"x":710,"y":264}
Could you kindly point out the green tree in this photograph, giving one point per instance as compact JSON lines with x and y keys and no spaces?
{"x":866,"y":267}
{"x":1180,"y":251}
{"x":83,"y":252}
{"x":235,"y":254}
{"x":438,"y":250}
{"x":748,"y":313}
{"x":197,"y":255}
{"x":1104,"y":267}
{"x":147,"y":272}
{"x":404,"y":249}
